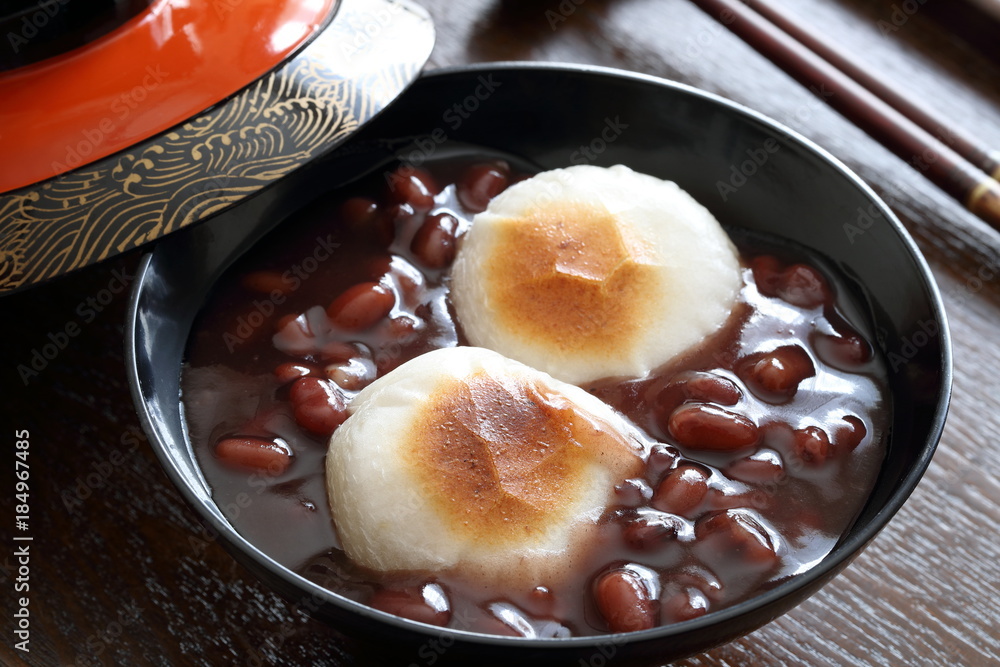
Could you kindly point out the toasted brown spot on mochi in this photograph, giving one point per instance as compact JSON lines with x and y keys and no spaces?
{"x":502,"y":460}
{"x":565,"y":274}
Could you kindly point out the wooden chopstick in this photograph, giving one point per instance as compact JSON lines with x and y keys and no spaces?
{"x":965,"y":145}
{"x":936,"y":160}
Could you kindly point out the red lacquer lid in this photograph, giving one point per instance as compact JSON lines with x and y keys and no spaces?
{"x":167,"y":64}
{"x":184,"y":111}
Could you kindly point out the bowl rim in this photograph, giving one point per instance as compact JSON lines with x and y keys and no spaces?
{"x":840,"y":556}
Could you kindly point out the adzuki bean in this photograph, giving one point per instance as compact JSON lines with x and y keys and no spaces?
{"x":269,"y":282}
{"x":650,"y":529}
{"x":681,"y":490}
{"x":799,"y":284}
{"x":481,"y":184}
{"x":740,"y":534}
{"x":685,"y":605}
{"x":358,"y":212}
{"x":625,"y":601}
{"x":849,"y":434}
{"x":258,"y":454}
{"x":318,"y":407}
{"x":803,"y":286}
{"x":285,"y":373}
{"x":434,"y":242}
{"x":812,"y":445}
{"x":845,"y":352}
{"x":703,"y":426}
{"x":361,"y":306}
{"x":352,"y":374}
{"x":762,"y":467}
{"x":776,"y":375}
{"x":413,"y":187}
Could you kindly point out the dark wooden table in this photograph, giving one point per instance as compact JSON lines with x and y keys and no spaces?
{"x":121,"y":571}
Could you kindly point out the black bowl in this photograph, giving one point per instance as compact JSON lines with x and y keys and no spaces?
{"x":750,"y":171}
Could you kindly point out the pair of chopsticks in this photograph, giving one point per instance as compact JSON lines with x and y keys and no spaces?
{"x":946,"y":155}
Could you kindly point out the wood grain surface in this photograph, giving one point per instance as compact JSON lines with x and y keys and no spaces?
{"x":122,"y":573}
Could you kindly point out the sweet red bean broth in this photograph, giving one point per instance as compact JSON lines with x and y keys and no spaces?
{"x":770,"y":434}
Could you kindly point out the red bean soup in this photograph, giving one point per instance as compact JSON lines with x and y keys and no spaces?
{"x":768,"y":436}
